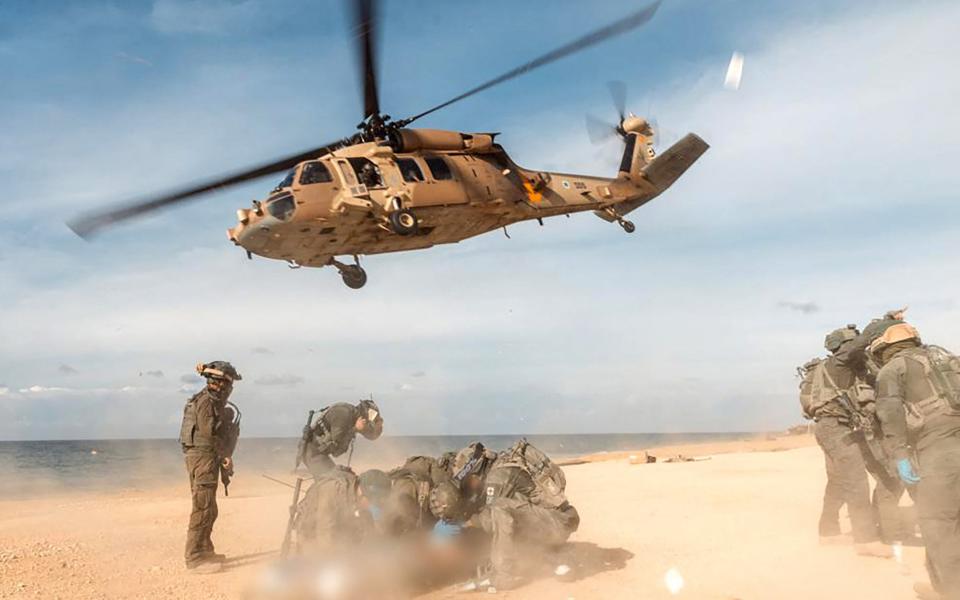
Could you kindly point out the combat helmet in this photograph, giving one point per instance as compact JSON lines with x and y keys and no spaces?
{"x":369,"y":410}
{"x":471,"y":460}
{"x":446,"y":502}
{"x":218,"y":369}
{"x":891,"y":335}
{"x":838,"y":337}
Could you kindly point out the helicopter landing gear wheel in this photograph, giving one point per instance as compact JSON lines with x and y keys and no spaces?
{"x":403,"y":222}
{"x":353,"y":276}
{"x":628,"y":226}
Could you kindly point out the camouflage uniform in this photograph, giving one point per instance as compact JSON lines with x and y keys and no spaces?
{"x":333,"y":435}
{"x":328,"y":517}
{"x":847,"y":460}
{"x":202,"y":437}
{"x":901,"y":386}
{"x":517,"y":523}
{"x":407,"y":507}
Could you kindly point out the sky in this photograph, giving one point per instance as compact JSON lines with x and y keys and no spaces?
{"x":829,"y":195}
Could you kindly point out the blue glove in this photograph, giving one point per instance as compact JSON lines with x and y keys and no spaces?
{"x":444,"y":530}
{"x":906,"y":472}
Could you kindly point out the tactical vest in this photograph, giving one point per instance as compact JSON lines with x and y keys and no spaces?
{"x":817,"y":388}
{"x":548,"y":479}
{"x":188,"y":426}
{"x":942,"y":370}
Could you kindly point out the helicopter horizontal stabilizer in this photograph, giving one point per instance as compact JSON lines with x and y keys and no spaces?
{"x":661,"y":172}
{"x":669,"y":166}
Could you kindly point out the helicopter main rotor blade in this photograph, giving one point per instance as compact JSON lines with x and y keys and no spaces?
{"x":622,"y":26}
{"x":618,"y":91}
{"x":598,"y":130}
{"x":87,"y":225}
{"x":365,"y":19}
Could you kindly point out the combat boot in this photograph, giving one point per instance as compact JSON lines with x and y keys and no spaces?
{"x":205,"y":567}
{"x":876,"y":549}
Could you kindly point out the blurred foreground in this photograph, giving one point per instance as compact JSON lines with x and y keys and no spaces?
{"x":740,"y":525}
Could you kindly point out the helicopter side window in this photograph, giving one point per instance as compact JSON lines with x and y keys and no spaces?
{"x":315,"y":172}
{"x":438,"y":168}
{"x":286,"y":181}
{"x":410,"y":170}
{"x":367,"y":172}
{"x":282,"y":207}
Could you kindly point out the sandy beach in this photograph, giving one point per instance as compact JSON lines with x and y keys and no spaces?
{"x":740,"y":525}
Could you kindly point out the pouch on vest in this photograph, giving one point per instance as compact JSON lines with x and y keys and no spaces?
{"x":942,"y":370}
{"x":816,"y":387}
{"x":548,"y":478}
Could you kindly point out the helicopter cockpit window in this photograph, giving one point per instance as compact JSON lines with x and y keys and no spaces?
{"x":281,"y":208}
{"x":286,"y":181}
{"x":439,"y":168}
{"x":315,"y":172}
{"x":367,"y":172}
{"x":410,"y":170}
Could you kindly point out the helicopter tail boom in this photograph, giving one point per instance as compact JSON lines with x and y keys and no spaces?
{"x":663,"y":171}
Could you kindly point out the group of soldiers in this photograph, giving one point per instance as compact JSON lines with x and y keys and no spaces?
{"x":511,"y":505}
{"x":884,"y":402}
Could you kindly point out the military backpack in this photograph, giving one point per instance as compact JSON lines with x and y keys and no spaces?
{"x":816,"y":387}
{"x":548,"y":478}
{"x":943,"y":372}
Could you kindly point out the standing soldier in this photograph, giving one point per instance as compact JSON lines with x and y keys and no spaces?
{"x":918,"y":404}
{"x":333,"y":433}
{"x":829,"y":393}
{"x":208,"y":436}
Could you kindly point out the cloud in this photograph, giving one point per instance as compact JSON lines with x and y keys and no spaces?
{"x":134,"y":59}
{"x":41,"y":389}
{"x":261,"y":350}
{"x":4,"y":390}
{"x":190,"y":378}
{"x":279,"y":380}
{"x":188,"y":389}
{"x":418,"y":374}
{"x":67,"y":370}
{"x":405,"y":387}
{"x":157,"y":373}
{"x":807,"y":308}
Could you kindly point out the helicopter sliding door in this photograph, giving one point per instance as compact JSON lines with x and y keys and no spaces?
{"x":314,"y":186}
{"x":432,"y":181}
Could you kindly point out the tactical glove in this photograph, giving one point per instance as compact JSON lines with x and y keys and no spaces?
{"x":906,"y":472}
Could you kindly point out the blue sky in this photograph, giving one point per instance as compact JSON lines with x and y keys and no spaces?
{"x":828,"y":196}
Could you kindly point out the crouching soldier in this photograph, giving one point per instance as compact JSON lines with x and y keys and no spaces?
{"x":332,"y":514}
{"x":333,"y":433}
{"x":208,"y":436}
{"x":525,"y":511}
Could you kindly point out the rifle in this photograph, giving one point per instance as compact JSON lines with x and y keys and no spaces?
{"x":291,"y":521}
{"x":304,"y":440}
{"x":862,"y":425}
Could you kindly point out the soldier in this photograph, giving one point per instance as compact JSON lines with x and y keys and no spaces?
{"x":207,"y":437}
{"x":470,"y":467}
{"x":525,"y":511}
{"x":334,"y":431}
{"x":330,"y":517}
{"x":826,"y":386}
{"x":918,"y":404}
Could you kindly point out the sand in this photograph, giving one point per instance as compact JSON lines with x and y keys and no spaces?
{"x":739,"y":525}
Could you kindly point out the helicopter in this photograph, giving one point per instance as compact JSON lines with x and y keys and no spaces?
{"x":392,"y":188}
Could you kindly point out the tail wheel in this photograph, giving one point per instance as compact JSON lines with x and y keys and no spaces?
{"x":403,"y":221}
{"x":353,"y":276}
{"x":628,"y":226}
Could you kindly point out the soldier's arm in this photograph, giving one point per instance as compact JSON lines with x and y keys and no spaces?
{"x":891,"y":411}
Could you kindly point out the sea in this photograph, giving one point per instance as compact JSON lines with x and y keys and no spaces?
{"x":39,"y":468}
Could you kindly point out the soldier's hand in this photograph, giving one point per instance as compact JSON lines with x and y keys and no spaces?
{"x":896,"y":314}
{"x":227,"y":463}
